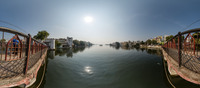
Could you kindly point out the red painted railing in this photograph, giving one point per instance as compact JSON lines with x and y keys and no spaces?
{"x":18,"y":52}
{"x":184,"y":48}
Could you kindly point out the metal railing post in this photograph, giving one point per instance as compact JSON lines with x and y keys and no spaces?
{"x":27,"y":53}
{"x":179,"y":48}
{"x":41,"y":50}
{"x":167,"y":44}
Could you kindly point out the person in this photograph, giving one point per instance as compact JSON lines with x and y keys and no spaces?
{"x":15,"y":45}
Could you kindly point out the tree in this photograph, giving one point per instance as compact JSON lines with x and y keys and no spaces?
{"x":82,"y":43}
{"x":148,"y":42}
{"x":196,"y":36}
{"x":169,"y":37}
{"x":142,"y":43}
{"x":2,"y":40}
{"x":117,"y":44}
{"x":127,"y":45}
{"x":76,"y":42}
{"x":41,"y":35}
{"x":137,"y":45}
{"x":154,"y":42}
{"x":57,"y":43}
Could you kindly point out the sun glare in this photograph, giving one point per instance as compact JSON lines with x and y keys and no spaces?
{"x":88,"y":19}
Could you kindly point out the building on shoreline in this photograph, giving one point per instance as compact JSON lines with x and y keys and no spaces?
{"x":160,"y":39}
{"x":65,"y":42}
{"x":70,"y":41}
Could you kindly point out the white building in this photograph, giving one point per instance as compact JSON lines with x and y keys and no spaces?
{"x":69,"y":41}
{"x":65,"y":42}
{"x":50,"y":42}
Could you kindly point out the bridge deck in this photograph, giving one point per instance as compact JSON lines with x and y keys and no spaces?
{"x":16,"y":66}
{"x":11,"y":68}
{"x":20,"y":56}
{"x":189,"y":60}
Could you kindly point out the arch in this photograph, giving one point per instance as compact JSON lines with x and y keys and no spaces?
{"x":10,"y":46}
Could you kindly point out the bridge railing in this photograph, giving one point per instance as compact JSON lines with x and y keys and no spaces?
{"x":18,"y":52}
{"x":185,"y":49}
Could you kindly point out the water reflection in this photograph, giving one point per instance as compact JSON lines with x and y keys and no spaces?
{"x":104,"y":67}
{"x":66,"y":52}
{"x":153,"y":51}
{"x":70,"y":51}
{"x":51,"y":54}
{"x":122,"y":69}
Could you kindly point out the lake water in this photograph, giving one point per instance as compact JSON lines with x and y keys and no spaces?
{"x":106,"y":67}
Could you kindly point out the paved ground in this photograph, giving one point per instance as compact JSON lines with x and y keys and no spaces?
{"x":189,"y":60}
{"x":10,"y":57}
{"x":11,"y":68}
{"x":15,"y":66}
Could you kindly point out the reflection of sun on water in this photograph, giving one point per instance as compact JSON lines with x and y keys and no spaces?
{"x":88,"y":69}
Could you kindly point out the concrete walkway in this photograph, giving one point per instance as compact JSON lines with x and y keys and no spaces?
{"x":189,"y":60}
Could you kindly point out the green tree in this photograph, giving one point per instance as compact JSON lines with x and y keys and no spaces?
{"x":154,"y":42}
{"x":2,"y":40}
{"x":137,"y":45}
{"x":196,"y":36}
{"x":57,"y":43}
{"x":82,"y":43}
{"x":117,"y":44}
{"x":142,"y":43}
{"x":76,"y":42}
{"x":169,"y":37}
{"x":127,"y":45}
{"x":149,"y":42}
{"x":41,"y":35}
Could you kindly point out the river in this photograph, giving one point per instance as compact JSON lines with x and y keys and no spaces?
{"x":106,"y":67}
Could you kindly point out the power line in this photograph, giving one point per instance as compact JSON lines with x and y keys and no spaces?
{"x":191,"y":24}
{"x":13,"y":25}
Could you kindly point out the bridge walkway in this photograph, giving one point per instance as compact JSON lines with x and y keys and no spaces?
{"x":188,"y":60}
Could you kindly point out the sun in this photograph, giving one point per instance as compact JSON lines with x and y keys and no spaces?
{"x":88,"y":19}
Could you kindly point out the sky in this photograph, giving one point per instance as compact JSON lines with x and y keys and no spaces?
{"x":113,"y":20}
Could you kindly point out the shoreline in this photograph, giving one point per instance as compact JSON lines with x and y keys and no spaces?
{"x":151,"y":46}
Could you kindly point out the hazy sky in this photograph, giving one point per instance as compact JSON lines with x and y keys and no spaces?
{"x":113,"y":20}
